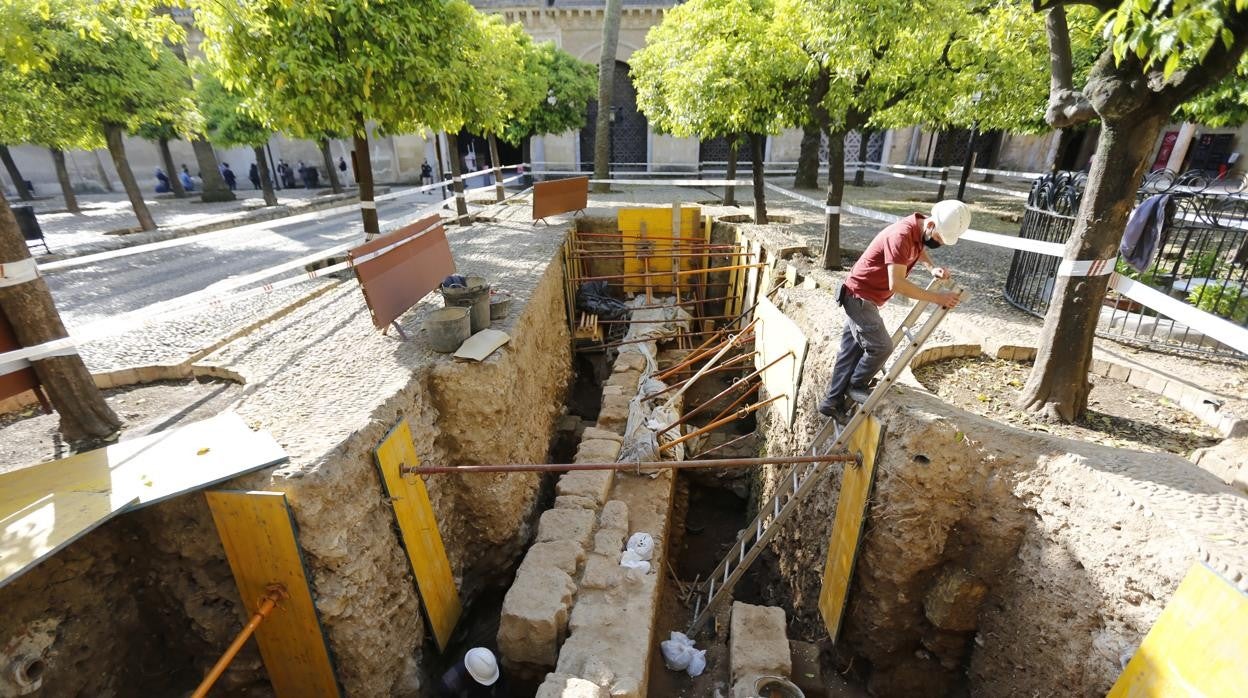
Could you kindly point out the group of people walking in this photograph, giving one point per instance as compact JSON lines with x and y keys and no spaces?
{"x":309,"y":176}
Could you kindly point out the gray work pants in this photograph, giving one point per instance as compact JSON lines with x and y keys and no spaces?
{"x":865,"y":347}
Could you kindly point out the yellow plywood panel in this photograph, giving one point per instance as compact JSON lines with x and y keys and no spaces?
{"x":258,"y":535}
{"x":851,"y":511}
{"x":419,"y":530}
{"x":777,"y":336}
{"x":659,"y":243}
{"x":47,"y":506}
{"x":1198,"y":647}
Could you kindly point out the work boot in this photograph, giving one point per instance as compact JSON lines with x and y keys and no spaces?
{"x":859,"y":393}
{"x":833,"y":408}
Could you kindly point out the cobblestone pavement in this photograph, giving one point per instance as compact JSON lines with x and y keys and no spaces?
{"x":89,"y":295}
{"x":103,"y":214}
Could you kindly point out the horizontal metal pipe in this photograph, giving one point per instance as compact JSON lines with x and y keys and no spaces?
{"x":664,"y":338}
{"x":707,"y":403}
{"x":625,"y":467}
{"x":646,"y":322}
{"x":660,"y":254}
{"x":626,"y":236}
{"x":665,"y":274}
{"x":741,"y":414}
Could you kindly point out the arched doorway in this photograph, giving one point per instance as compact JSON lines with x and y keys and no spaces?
{"x":628,"y":127}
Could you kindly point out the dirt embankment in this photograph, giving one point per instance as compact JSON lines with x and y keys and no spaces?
{"x":1001,"y":560}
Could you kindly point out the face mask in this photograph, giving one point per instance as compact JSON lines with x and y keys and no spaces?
{"x":931,"y":243}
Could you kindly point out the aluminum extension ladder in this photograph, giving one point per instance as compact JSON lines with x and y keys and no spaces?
{"x":801,"y":479}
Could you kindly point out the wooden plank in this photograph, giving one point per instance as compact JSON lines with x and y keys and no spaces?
{"x":851,"y":510}
{"x":258,"y":534}
{"x":419,"y":531}
{"x":776,"y":335}
{"x":1198,"y":647}
{"x":45,"y":507}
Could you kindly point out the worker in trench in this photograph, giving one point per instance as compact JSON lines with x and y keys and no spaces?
{"x":880,"y":272}
{"x":477,"y":675}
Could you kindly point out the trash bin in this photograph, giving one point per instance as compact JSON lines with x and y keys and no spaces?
{"x":26,"y":220}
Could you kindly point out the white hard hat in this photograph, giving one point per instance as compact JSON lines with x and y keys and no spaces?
{"x":952,"y":218}
{"x":482,"y":665}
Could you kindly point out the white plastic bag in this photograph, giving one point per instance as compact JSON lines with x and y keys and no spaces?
{"x":678,"y":651}
{"x":697,"y":663}
{"x":630,"y":560}
{"x":642,"y":544}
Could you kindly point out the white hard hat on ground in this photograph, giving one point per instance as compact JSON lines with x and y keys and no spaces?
{"x":482,"y":665}
{"x":952,"y":218}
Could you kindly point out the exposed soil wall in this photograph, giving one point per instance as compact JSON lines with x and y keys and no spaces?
{"x":1014,"y":562}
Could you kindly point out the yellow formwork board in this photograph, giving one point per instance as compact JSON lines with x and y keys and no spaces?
{"x":851,"y":510}
{"x":258,"y":534}
{"x":419,"y":530}
{"x":47,"y":506}
{"x":655,"y":225}
{"x":777,"y":336}
{"x":1198,"y":647}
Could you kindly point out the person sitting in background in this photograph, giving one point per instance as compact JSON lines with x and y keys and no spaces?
{"x":185,"y":177}
{"x":162,"y":182}
{"x":475,"y":676}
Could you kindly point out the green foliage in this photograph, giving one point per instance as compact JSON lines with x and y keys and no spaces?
{"x":1224,"y":105}
{"x":507,"y":80}
{"x":226,"y":122}
{"x":1147,"y":277}
{"x":1206,"y":265}
{"x":568,"y":83}
{"x":719,"y":68}
{"x":324,"y":66}
{"x":1171,"y":34}
{"x":25,"y":22}
{"x":1222,"y":298}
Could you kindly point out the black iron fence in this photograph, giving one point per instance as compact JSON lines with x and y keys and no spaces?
{"x":1201,"y":258}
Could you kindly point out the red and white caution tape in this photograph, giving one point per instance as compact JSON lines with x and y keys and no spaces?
{"x":19,"y":272}
{"x":1086,"y":267}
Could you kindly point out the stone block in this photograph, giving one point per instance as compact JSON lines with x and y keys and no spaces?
{"x":1119,"y":372}
{"x":952,"y":602}
{"x":627,"y":380}
{"x":602,"y":572}
{"x":609,"y":541}
{"x":613,"y":417}
{"x":597,"y":451}
{"x":591,"y":484}
{"x":757,"y":643}
{"x":594,"y":433}
{"x":566,"y":524}
{"x":630,"y":361}
{"x":564,"y":555}
{"x":614,"y":515}
{"x":534,"y":618}
{"x":612,"y":391}
{"x":572,"y":501}
{"x":1139,"y":377}
{"x":564,"y":686}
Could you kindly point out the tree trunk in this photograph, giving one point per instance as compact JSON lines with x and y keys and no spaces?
{"x":730,"y":192}
{"x":606,"y":83}
{"x":214,"y":186}
{"x":499,"y":194}
{"x":808,"y":158}
{"x":116,"y":148}
{"x":266,"y":182}
{"x":457,"y":178}
{"x":368,"y":206}
{"x":99,"y":170}
{"x":860,"y":176}
{"x":86,"y":419}
{"x":175,"y":182}
{"x":62,"y":176}
{"x":1066,"y":138}
{"x":19,"y":182}
{"x":1058,"y":386}
{"x":757,"y":143}
{"x":832,"y":209}
{"x":334,"y":184}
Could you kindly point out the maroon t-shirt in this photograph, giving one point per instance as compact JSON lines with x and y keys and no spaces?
{"x":899,"y":243}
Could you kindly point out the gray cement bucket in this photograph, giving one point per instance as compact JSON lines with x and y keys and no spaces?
{"x":476,"y":297}
{"x":776,"y":687}
{"x":448,"y":328}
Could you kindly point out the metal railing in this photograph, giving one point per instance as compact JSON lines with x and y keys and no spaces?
{"x":1201,"y":258}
